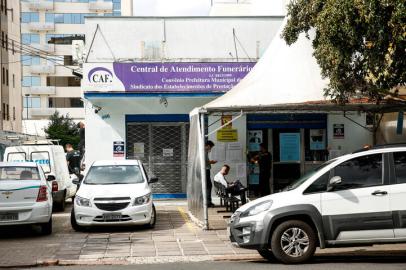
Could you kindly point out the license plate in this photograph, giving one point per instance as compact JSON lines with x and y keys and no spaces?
{"x":112,"y":217}
{"x":8,"y":216}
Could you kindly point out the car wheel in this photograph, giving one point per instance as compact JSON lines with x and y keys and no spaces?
{"x":73,"y":222}
{"x":266,"y":254}
{"x":293,"y":241}
{"x":152,"y":222}
{"x":61,"y":205}
{"x":46,"y":228}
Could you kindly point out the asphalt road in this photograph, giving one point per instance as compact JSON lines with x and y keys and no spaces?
{"x":322,"y":264}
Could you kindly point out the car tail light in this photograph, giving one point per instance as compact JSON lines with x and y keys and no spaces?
{"x":55,"y":186}
{"x":42,"y":194}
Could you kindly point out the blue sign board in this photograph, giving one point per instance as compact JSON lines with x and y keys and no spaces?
{"x":289,"y":147}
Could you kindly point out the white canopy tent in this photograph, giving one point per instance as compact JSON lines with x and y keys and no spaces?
{"x":284,"y":75}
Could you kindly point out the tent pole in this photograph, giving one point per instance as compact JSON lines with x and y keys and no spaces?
{"x":203,"y":171}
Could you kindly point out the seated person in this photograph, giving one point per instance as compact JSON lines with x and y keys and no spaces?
{"x":235,"y":188}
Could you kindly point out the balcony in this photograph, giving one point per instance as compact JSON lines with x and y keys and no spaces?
{"x":39,"y":90}
{"x":37,"y":5}
{"x":50,"y":48}
{"x":42,"y":69}
{"x":40,"y":112}
{"x":41,"y":26}
{"x":101,"y":6}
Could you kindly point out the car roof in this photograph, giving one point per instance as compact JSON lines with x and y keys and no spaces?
{"x":116,"y":162}
{"x":18,"y":164}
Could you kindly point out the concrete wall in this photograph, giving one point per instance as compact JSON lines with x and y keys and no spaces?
{"x":184,"y":39}
{"x":100,"y":133}
{"x":355,"y":136}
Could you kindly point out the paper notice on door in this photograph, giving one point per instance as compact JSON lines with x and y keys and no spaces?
{"x":139,"y":150}
{"x":167,"y":152}
{"x":234,"y":152}
{"x":219,"y":152}
{"x":241,"y":171}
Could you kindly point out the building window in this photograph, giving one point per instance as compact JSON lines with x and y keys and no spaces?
{"x":3,"y":41}
{"x":12,"y":47}
{"x":63,"y":81}
{"x":14,"y":113}
{"x":30,"y":38}
{"x":7,"y":79}
{"x":6,"y":42}
{"x":29,"y":60}
{"x":67,"y":18}
{"x":31,"y":81}
{"x":7,"y":113}
{"x":3,"y":77}
{"x":27,"y":17}
{"x":32,"y":102}
{"x":4,"y":111}
{"x":65,"y":103}
{"x":14,"y":81}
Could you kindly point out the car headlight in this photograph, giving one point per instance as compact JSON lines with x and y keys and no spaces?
{"x":82,"y":201}
{"x":142,"y":200}
{"x":258,"y":208}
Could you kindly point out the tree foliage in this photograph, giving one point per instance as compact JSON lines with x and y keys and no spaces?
{"x":360,"y":45}
{"x":62,"y":128}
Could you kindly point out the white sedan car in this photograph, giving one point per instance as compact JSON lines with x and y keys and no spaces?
{"x":114,"y":193}
{"x":25,"y":195}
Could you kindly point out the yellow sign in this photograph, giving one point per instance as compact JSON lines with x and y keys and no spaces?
{"x":225,"y":121}
{"x":227,"y":135}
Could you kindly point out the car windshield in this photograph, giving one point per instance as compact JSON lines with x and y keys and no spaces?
{"x":114,"y":174}
{"x":297,"y":183}
{"x":19,"y":173}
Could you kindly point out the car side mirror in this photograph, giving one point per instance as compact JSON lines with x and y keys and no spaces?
{"x":153,"y":179}
{"x":334,"y":181}
{"x":51,"y":177}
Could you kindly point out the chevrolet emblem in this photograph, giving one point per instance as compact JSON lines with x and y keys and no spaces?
{"x":7,"y":193}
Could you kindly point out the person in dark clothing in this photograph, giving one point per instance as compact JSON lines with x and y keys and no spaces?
{"x":208,"y":146}
{"x":264,"y":160}
{"x":73,"y":160}
{"x":81,"y":145}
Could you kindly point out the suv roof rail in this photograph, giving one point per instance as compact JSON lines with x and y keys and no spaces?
{"x":381,"y":146}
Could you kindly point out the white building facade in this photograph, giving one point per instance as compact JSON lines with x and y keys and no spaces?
{"x":10,"y":70}
{"x":48,"y":30}
{"x":141,"y":82}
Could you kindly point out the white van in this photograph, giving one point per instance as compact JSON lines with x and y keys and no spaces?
{"x":52,"y":160}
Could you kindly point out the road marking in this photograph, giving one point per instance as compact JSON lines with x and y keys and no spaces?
{"x":186,"y":219}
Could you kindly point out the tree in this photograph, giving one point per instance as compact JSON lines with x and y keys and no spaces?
{"x":360,"y":45}
{"x":62,"y":128}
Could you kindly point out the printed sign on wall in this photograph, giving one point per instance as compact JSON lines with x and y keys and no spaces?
{"x":289,"y":146}
{"x":338,"y":131}
{"x":317,"y":139}
{"x":118,"y":149}
{"x":164,"y":77}
{"x":254,"y":140}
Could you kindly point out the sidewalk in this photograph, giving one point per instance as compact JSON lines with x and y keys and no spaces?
{"x":174,"y":239}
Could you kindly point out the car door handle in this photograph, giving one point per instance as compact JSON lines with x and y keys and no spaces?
{"x":379,"y":193}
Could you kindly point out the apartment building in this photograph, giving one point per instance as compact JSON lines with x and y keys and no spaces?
{"x":10,"y":67}
{"x":48,"y":29}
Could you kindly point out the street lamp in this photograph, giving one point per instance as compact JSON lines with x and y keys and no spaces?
{"x":26,"y":102}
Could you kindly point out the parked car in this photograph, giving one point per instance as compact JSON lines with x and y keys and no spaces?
{"x":356,"y":199}
{"x":114,"y":193}
{"x":53,"y":161}
{"x":25,"y":195}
